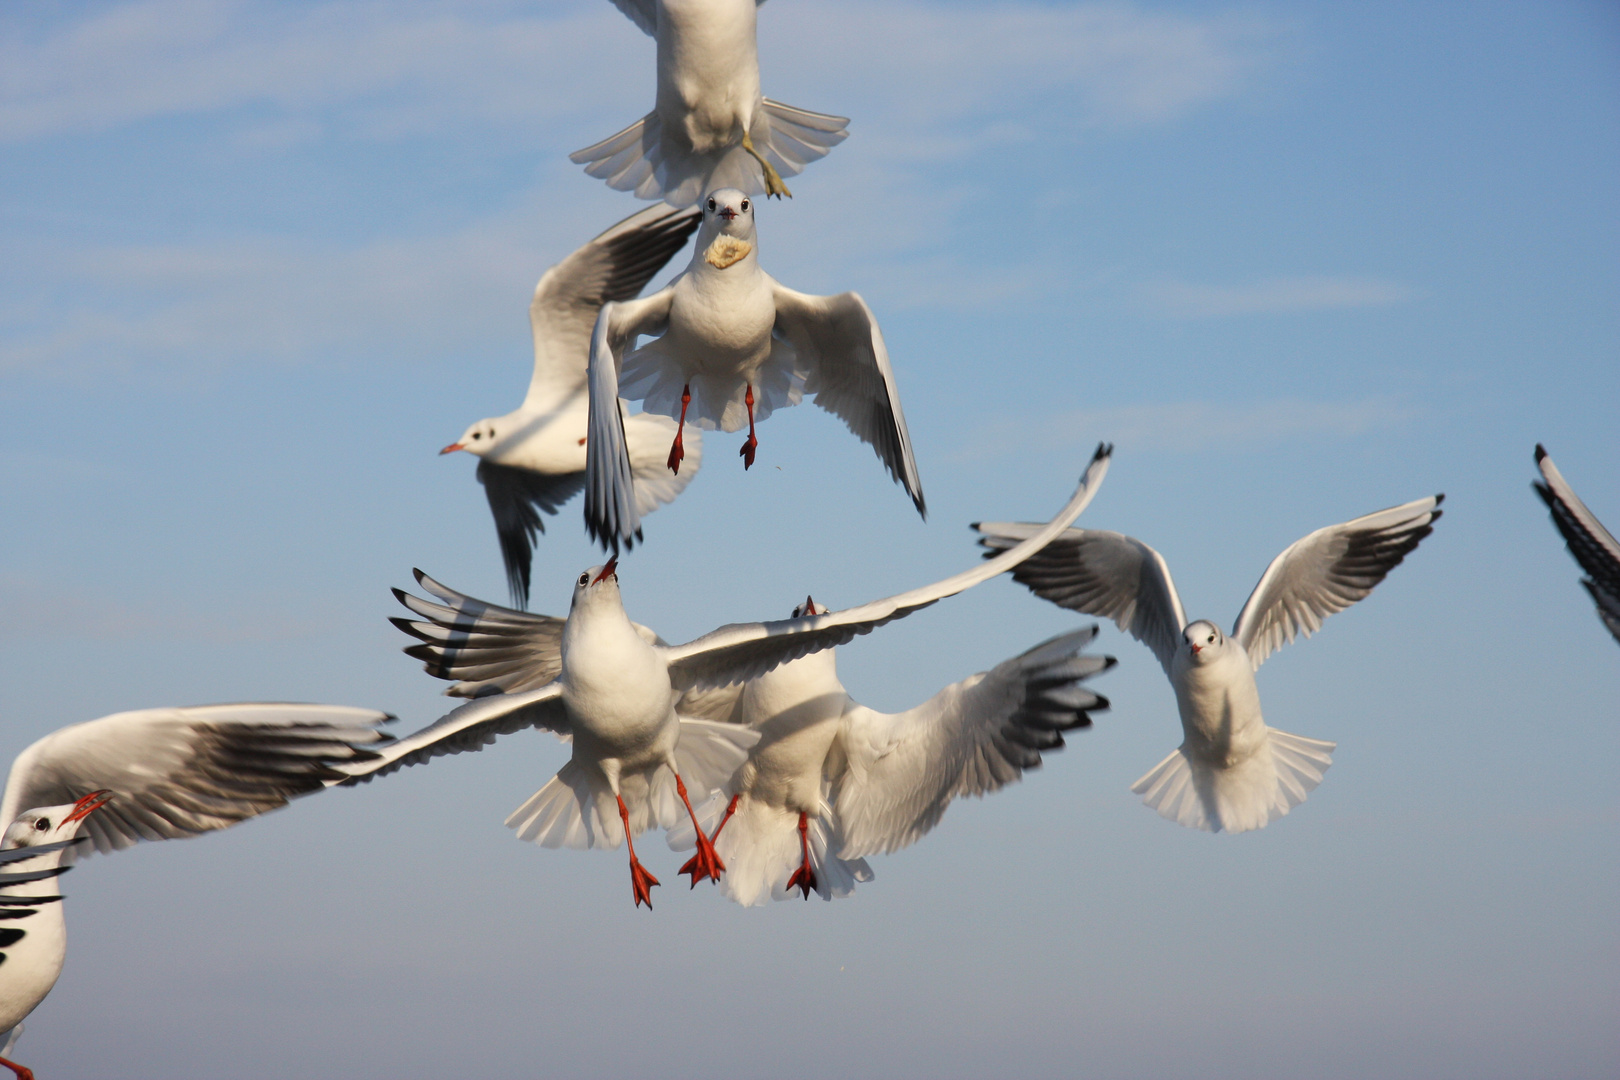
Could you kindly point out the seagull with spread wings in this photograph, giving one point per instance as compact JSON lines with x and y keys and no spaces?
{"x":1593,"y":546}
{"x":831,"y":781}
{"x":710,"y":126}
{"x":1231,"y":772}
{"x":729,"y":345}
{"x":532,"y":460}
{"x":153,"y":774}
{"x":610,"y":686}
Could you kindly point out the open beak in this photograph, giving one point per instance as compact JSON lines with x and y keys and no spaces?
{"x":608,"y":570}
{"x":90,"y":803}
{"x":452,"y":448}
{"x":810,"y":606}
{"x":727,"y":212}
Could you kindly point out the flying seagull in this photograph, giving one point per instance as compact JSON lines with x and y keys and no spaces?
{"x":710,"y":127}
{"x":610,"y":685}
{"x":831,"y":781}
{"x":532,"y":460}
{"x":1231,"y":772}
{"x":153,"y":774}
{"x":730,"y":344}
{"x":1593,"y":546}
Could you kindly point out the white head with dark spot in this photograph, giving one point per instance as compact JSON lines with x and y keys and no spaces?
{"x":51,"y":824}
{"x":727,"y":212}
{"x":1204,"y":641}
{"x":598,"y":585}
{"x":478,"y":439}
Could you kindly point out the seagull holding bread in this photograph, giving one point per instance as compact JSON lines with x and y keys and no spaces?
{"x":152,"y":774}
{"x":710,"y":127}
{"x":831,"y":781}
{"x":730,"y":345}
{"x":532,"y":460}
{"x":610,"y":686}
{"x":1232,"y":772}
{"x":1593,"y":546}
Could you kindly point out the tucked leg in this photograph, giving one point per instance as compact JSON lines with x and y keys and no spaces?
{"x":748,"y":448}
{"x":677,"y":450}
{"x":773,"y":179}
{"x":804,"y":877}
{"x":641,"y":882}
{"x":706,"y":863}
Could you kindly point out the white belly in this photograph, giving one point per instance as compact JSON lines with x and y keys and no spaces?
{"x":32,"y":963}
{"x":797,"y":709}
{"x":1220,"y":709}
{"x":708,"y":71}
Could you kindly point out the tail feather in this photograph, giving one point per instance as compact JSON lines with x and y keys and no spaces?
{"x":649,"y":437}
{"x":565,"y":813}
{"x":1248,"y":795}
{"x":760,"y":847}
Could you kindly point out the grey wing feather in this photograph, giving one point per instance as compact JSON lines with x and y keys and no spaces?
{"x":472,"y":726}
{"x":517,"y":497}
{"x":971,"y":738}
{"x":841,"y":350}
{"x":747,"y":650}
{"x":180,"y":772}
{"x":1101,"y":573}
{"x":1592,"y":545}
{"x":1326,"y":572}
{"x":611,"y":516}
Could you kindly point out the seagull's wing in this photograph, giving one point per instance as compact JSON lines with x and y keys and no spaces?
{"x":615,"y":266}
{"x":1593,"y":546}
{"x":517,"y":497}
{"x":184,"y":771}
{"x":841,"y":351}
{"x":746,"y":650}
{"x":971,"y":738}
{"x":1326,"y":572}
{"x":484,"y":648}
{"x":1100,"y":573}
{"x":472,"y":726}
{"x":610,"y":491}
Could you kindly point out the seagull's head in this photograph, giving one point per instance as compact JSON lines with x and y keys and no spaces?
{"x":52,"y":824}
{"x":809,"y":607}
{"x":599,"y":584}
{"x":1204,"y":641}
{"x":727,"y":212}
{"x":478,"y":439}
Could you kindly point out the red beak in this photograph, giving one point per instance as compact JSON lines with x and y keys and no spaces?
{"x":727,"y":212}
{"x":809,"y":606}
{"x":452,"y":448}
{"x":1195,"y":649}
{"x":607,"y":571}
{"x":90,"y":803}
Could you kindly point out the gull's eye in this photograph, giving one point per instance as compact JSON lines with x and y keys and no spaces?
{"x":1212,"y":639}
{"x":478,"y":435}
{"x":711,"y":204}
{"x":585,"y":578}
{"x":43,"y":824}
{"x":492,"y":433}
{"x":745,"y":206}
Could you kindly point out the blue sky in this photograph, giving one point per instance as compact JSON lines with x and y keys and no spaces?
{"x":1298,"y":261}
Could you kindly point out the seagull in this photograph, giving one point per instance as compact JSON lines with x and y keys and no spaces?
{"x":610,"y":687}
{"x":532,"y":460}
{"x":710,"y":126}
{"x":1231,"y":772}
{"x":1593,"y":546}
{"x":730,"y":344}
{"x":831,"y":781}
{"x":152,"y":774}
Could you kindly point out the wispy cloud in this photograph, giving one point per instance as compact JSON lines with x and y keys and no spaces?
{"x":1272,"y":296}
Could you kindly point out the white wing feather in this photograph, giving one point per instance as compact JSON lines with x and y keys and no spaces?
{"x":1593,"y":546}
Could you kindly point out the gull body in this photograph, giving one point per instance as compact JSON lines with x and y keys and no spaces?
{"x":729,"y":345}
{"x":710,"y":125}
{"x":1232,"y":771}
{"x":532,"y":459}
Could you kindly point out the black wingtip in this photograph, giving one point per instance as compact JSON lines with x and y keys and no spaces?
{"x":1109,"y":662}
{"x":1104,"y":450}
{"x":1541,"y":452}
{"x":418,"y":574}
{"x":1439,"y":498}
{"x":400,"y":595}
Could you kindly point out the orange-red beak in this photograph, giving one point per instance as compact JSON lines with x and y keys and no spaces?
{"x":1195,"y":649}
{"x":607,"y":571}
{"x":452,"y":448}
{"x":87,"y":805}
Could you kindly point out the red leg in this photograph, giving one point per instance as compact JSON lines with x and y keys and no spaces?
{"x":641,"y":882}
{"x":706,"y":863}
{"x":748,"y":448}
{"x":804,"y":877}
{"x":731,"y":808}
{"x":23,"y":1072}
{"x":677,"y":449}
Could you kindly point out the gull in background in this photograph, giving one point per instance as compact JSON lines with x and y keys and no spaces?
{"x":1231,"y":772}
{"x":730,"y":344}
{"x":831,"y":781}
{"x":1593,"y":546}
{"x":710,"y":127}
{"x":153,"y":774}
{"x":610,"y":686}
{"x":532,"y":460}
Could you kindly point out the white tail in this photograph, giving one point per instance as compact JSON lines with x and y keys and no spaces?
{"x":760,"y":847}
{"x":1248,"y":795}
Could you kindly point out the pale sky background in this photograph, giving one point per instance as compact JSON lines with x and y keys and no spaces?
{"x":1298,"y":261}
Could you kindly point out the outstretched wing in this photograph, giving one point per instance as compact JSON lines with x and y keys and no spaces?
{"x":746,"y":650}
{"x":484,"y":648}
{"x":1326,"y":572}
{"x":517,"y":497}
{"x":971,"y":738}
{"x":615,"y":266}
{"x":611,"y":516}
{"x":184,"y":771}
{"x":473,"y":726}
{"x":841,"y":350}
{"x":1100,"y":573}
{"x":1593,"y":546}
